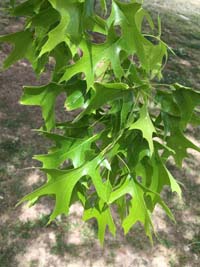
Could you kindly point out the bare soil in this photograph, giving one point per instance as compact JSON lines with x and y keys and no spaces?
{"x":25,"y":241}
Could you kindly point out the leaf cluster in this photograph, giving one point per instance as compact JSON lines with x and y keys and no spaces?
{"x":112,"y":156}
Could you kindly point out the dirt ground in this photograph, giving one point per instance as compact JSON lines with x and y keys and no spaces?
{"x":25,"y":241}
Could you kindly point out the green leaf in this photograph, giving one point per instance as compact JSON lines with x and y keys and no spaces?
{"x":61,"y":183}
{"x":140,"y":16}
{"x":103,"y":216}
{"x":179,"y":143}
{"x":121,"y":127}
{"x":154,"y":195}
{"x":167,"y":103}
{"x":104,"y":5}
{"x":96,"y":55}
{"x":23,"y":47}
{"x":176,"y":140}
{"x":68,"y":28}
{"x":44,"y":96}
{"x":127,"y":104}
{"x":189,"y":99}
{"x":195,"y":118}
{"x":105,"y":93}
{"x":137,"y":207}
{"x":155,"y":60}
{"x":123,"y":14}
{"x":28,"y":8}
{"x":44,"y":20}
{"x":173,"y":183}
{"x":76,"y":94}
{"x":145,"y":125}
{"x":76,"y":149}
{"x":161,"y":177}
{"x":137,"y":211}
{"x":12,"y":3}
{"x":127,"y":16}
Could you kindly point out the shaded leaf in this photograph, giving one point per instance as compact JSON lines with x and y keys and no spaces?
{"x":23,"y":47}
{"x":44,"y":96}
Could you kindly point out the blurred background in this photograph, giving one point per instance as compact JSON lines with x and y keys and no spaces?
{"x":25,"y":241}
